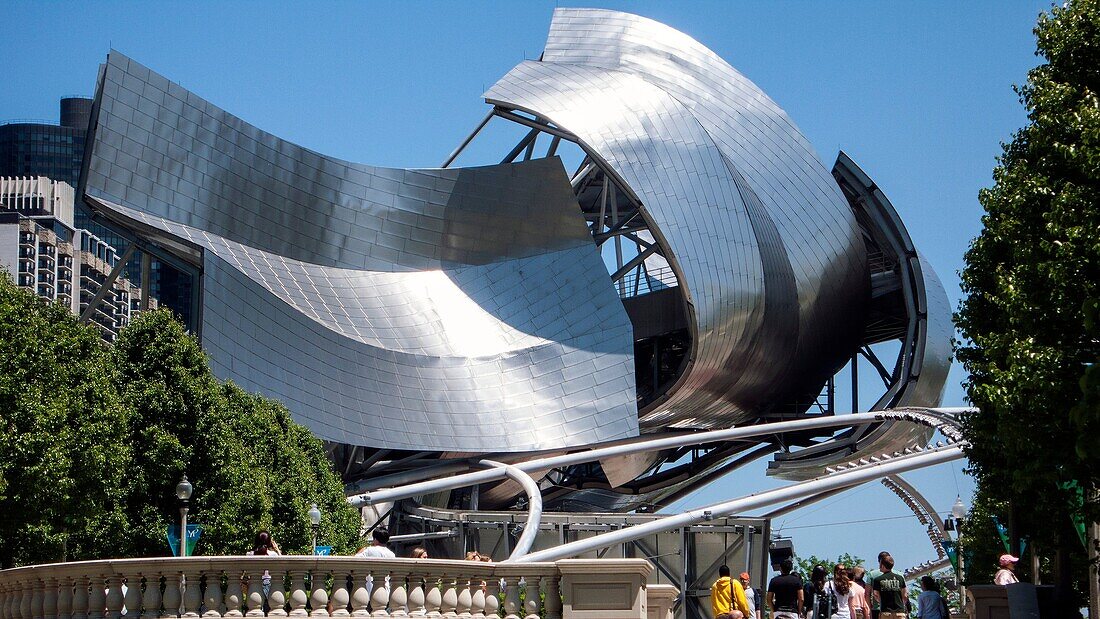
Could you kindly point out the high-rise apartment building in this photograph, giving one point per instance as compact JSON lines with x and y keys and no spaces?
{"x":45,"y":253}
{"x":39,"y":148}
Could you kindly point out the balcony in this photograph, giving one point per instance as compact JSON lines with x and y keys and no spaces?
{"x":211,"y":587}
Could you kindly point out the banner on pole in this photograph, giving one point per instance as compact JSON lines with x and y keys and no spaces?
{"x":1002,"y":530}
{"x":952,"y":550}
{"x":323,"y":551}
{"x":173,"y":535}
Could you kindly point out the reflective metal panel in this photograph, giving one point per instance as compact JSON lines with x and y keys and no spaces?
{"x":767,"y":252}
{"x":440,"y":310}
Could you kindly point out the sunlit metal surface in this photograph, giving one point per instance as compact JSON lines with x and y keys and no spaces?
{"x":405,"y":309}
{"x":766,"y":250}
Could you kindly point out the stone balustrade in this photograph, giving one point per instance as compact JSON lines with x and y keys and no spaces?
{"x":296,"y":586}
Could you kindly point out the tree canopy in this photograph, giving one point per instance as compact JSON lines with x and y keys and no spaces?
{"x":1027,"y":279}
{"x":93,"y":440}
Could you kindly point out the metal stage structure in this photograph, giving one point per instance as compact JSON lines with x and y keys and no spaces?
{"x":659,"y":260}
{"x":686,"y":557}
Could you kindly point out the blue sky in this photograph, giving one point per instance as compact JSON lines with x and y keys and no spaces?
{"x":918,"y":93}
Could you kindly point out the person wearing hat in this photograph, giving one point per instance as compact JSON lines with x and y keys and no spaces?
{"x":751,"y":596}
{"x":1007,"y":574}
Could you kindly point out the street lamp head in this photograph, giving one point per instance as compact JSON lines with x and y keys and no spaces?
{"x":958,"y":510}
{"x":314,"y":515}
{"x":183,"y":489}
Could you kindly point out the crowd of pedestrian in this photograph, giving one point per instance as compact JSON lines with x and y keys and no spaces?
{"x":849,"y":592}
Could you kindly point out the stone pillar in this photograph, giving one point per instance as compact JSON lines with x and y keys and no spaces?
{"x":661,"y":599}
{"x":604,"y":588}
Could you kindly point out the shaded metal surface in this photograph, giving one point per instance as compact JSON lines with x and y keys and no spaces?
{"x":766,"y":250}
{"x":925,"y":357}
{"x":443,"y":310}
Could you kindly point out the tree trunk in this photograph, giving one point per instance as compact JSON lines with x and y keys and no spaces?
{"x":1094,"y":577}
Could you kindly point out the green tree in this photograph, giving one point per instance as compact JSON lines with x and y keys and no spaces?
{"x":252,"y":466}
{"x":63,"y":451}
{"x":93,"y":440}
{"x":806,"y":566}
{"x":1027,"y":276}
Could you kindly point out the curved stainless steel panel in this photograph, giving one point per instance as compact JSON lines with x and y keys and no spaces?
{"x":767,"y":251}
{"x":381,"y":305}
{"x":926,"y":345}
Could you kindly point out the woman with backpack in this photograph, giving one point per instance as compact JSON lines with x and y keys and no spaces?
{"x":839,"y":592}
{"x":930,"y":604}
{"x":816,"y":602}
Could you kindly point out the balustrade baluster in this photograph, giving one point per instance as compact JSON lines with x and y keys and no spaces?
{"x":80,"y":597}
{"x":131,"y":598}
{"x":532,"y":604}
{"x":553,"y":596}
{"x":192,"y":594}
{"x":276,"y":596}
{"x":399,"y":594}
{"x":477,"y":599}
{"x":97,"y":599}
{"x":465,"y":596}
{"x":255,"y":599}
{"x":213,"y":598}
{"x":318,"y":597}
{"x":5,"y":601}
{"x":233,"y":594}
{"x":151,"y":598}
{"x":360,"y":597}
{"x":511,"y":597}
{"x":298,"y":597}
{"x":450,"y":597}
{"x":416,"y":595}
{"x":340,"y":596}
{"x":21,"y":593}
{"x":49,"y":598}
{"x":492,"y":598}
{"x":65,"y":598}
{"x":380,"y":594}
{"x":433,"y":597}
{"x":37,"y":597}
{"x":173,"y":597}
{"x":114,"y":597}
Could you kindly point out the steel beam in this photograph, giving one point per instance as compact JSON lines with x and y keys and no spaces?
{"x":635,"y":447}
{"x":793,"y":492}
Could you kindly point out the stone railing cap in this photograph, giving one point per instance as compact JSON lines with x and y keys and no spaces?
{"x":641,"y":567}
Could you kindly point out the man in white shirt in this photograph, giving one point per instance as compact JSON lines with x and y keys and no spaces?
{"x":378,"y":547}
{"x":377,"y":550}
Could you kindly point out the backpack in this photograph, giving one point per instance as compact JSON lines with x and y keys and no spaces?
{"x":945,"y":612}
{"x":825,"y":603}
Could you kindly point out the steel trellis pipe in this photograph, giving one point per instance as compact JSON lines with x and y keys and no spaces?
{"x":753,"y":501}
{"x":530,"y":466}
{"x":534,"y":510}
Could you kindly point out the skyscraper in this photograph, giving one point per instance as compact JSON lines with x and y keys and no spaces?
{"x":39,"y":148}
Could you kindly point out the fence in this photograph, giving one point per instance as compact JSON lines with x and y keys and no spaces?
{"x":270,"y":586}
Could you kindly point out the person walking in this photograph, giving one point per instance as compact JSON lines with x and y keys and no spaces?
{"x":871,"y":576}
{"x":785,"y":593}
{"x":752,"y":596}
{"x":930,"y":604}
{"x":889,"y":590}
{"x":839,"y":591}
{"x":727,"y":596}
{"x":859,"y":605}
{"x":1006,"y":575}
{"x":816,"y":602}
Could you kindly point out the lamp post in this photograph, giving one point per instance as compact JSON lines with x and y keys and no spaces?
{"x":955,"y":522}
{"x":183,"y":493}
{"x":315,"y":521}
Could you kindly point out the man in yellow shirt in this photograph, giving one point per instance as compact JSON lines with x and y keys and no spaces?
{"x":728,"y":596}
